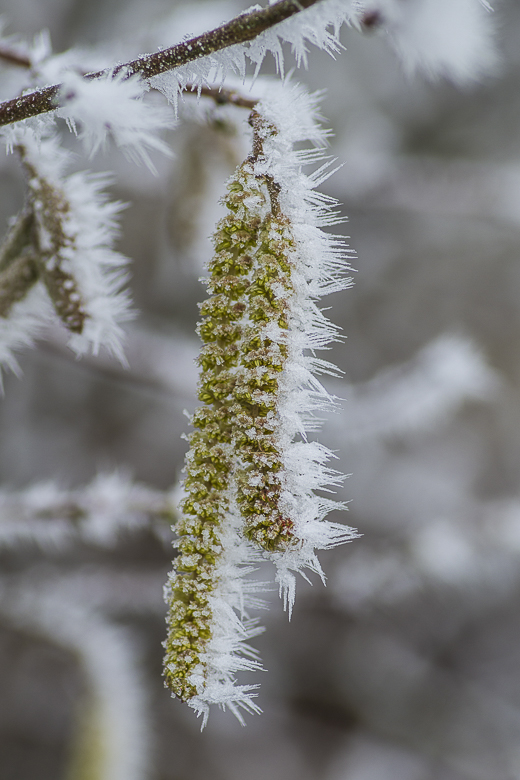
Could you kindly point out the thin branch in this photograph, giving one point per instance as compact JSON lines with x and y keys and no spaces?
{"x":239,"y":30}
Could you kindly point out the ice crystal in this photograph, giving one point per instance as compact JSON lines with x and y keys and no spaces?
{"x":440,"y":38}
{"x":114,"y":106}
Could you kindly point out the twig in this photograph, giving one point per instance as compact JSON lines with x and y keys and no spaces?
{"x":239,"y":30}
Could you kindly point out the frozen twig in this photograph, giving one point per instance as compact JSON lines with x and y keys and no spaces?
{"x":223,"y":97}
{"x":14,"y":57}
{"x":241,"y":29}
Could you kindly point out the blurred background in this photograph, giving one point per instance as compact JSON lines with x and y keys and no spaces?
{"x":407,"y":665}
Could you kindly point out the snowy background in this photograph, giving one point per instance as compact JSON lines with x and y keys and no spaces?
{"x":407,"y":666}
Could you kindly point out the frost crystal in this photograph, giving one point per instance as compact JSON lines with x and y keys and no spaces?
{"x":442,"y":38}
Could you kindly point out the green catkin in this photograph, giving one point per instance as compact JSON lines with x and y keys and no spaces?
{"x":210,"y":459}
{"x":234,"y":458}
{"x":250,"y":477}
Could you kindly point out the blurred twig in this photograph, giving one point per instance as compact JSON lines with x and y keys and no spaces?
{"x":14,"y":57}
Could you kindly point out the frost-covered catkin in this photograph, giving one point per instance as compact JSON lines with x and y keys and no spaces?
{"x":263,"y":354}
{"x":210,"y":552}
{"x":57,"y":258}
{"x":250,"y":471}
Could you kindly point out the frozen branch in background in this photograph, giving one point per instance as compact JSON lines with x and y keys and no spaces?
{"x":475,"y":550}
{"x":451,"y":39}
{"x":112,"y":740}
{"x":159,"y":361}
{"x":419,"y":395}
{"x":98,"y":514}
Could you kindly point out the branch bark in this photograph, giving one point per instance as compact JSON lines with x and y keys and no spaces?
{"x":239,"y":30}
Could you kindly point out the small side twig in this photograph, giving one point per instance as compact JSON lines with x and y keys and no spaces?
{"x":223,"y":97}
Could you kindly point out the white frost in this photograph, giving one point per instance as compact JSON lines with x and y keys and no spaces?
{"x":114,"y":106}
